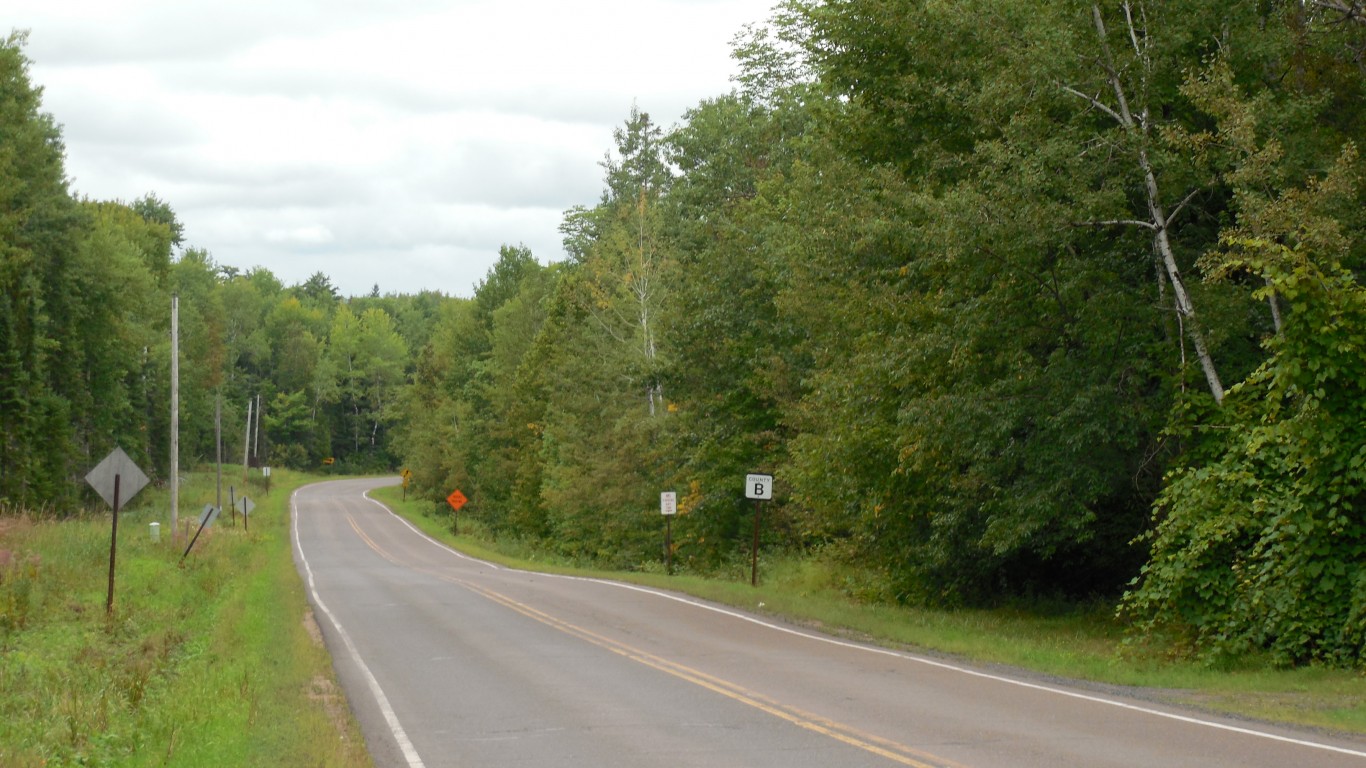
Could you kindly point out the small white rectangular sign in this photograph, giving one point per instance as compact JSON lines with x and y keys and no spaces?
{"x":759,"y":487}
{"x":668,"y":503}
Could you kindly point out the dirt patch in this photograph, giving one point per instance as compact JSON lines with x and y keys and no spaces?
{"x":311,"y":627}
{"x":325,"y":692}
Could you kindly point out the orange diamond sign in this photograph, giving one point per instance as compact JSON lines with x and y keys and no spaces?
{"x":456,"y":499}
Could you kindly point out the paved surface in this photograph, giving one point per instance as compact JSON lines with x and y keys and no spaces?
{"x":450,"y":661}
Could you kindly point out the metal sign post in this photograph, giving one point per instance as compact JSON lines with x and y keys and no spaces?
{"x":206,"y":519}
{"x":113,"y":548}
{"x":245,"y":505}
{"x":668,"y":506}
{"x":456,"y":500}
{"x":757,"y":487}
{"x":114,"y":479}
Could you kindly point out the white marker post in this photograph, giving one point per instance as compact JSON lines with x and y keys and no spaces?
{"x":758,"y":487}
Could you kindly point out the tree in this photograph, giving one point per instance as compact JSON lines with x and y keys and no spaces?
{"x":41,"y":228}
{"x":1255,"y":543}
{"x":1258,"y":545}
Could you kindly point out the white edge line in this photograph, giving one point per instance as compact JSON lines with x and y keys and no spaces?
{"x":899,"y":655}
{"x":400,"y":736}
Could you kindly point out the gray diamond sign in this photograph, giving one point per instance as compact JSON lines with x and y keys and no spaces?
{"x":131,"y":478}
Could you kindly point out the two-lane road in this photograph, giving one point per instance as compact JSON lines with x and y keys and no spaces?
{"x":451,"y":661}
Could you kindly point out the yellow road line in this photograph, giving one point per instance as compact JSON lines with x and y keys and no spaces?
{"x":369,"y":542}
{"x":894,"y":751}
{"x":891,"y":750}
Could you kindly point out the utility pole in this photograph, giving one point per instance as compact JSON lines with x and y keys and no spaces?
{"x":218,"y":445}
{"x":256,"y":434}
{"x":175,"y":416}
{"x":246,"y":443}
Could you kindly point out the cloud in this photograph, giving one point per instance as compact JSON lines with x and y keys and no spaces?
{"x":374,"y":142}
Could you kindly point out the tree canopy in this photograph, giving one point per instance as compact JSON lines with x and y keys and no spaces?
{"x":1026,"y":299}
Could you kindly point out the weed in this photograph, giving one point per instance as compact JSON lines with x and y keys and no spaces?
{"x":173,"y":677}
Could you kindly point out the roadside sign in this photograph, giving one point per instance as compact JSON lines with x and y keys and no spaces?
{"x":407,"y":476}
{"x":206,"y":519}
{"x":456,"y":499}
{"x":116,"y":479}
{"x":245,"y":506}
{"x":759,"y":487}
{"x":668,"y":506}
{"x":265,"y":471}
{"x":117,"y":463}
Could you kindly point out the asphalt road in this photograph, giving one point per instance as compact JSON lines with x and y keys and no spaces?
{"x":451,"y":661}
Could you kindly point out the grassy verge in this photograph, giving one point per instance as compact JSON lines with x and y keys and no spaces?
{"x":1076,"y":643}
{"x":208,"y":661}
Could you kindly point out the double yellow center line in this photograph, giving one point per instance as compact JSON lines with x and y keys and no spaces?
{"x":891,"y":750}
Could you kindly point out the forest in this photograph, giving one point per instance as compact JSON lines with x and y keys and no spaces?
{"x":1032,"y":300}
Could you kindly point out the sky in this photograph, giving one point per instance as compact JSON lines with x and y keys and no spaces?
{"x":397,"y":144}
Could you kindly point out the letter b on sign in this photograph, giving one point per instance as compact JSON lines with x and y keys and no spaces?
{"x":759,"y":486}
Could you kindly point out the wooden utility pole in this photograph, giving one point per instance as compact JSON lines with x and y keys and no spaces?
{"x":175,"y":415}
{"x":246,"y":444}
{"x":256,"y":432}
{"x":218,"y":446}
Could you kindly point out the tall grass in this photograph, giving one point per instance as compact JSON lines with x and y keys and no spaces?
{"x":204,"y":661}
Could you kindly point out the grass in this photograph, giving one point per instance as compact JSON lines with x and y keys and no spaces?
{"x":1083,"y":643}
{"x":211,"y":661}
{"x":202,"y":662}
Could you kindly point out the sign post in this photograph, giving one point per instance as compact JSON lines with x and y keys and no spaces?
{"x":206,"y":519}
{"x":456,"y":500}
{"x":115,"y":479}
{"x":668,"y":506}
{"x":758,"y":487}
{"x":245,"y":506}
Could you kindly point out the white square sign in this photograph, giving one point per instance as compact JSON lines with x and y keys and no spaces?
{"x":759,"y":487}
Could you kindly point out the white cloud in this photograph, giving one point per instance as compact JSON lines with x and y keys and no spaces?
{"x":398,"y":144}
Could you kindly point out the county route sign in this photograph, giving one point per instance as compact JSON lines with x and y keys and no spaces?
{"x":759,"y":487}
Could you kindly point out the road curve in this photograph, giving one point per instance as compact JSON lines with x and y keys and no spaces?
{"x":452,"y":661}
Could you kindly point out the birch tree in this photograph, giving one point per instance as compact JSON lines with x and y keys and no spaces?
{"x":1126,"y":106}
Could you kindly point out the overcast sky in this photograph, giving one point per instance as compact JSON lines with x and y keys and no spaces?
{"x":378,"y":142}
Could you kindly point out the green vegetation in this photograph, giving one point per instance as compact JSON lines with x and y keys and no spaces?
{"x":1078,"y":642}
{"x":1029,"y":304}
{"x":206,"y":662}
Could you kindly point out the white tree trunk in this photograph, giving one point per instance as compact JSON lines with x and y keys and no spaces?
{"x":1159,"y":220}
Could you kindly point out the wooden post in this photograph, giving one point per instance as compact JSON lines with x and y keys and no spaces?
{"x":175,"y":414}
{"x":754,"y":550}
